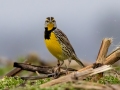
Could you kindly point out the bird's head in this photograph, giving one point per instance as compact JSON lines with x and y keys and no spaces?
{"x":50,"y":23}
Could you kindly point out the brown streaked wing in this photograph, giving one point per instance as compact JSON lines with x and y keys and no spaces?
{"x":64,"y":39}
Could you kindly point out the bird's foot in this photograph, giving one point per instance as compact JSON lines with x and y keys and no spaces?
{"x":57,"y":72}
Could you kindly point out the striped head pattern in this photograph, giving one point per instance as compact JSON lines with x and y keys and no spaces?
{"x":50,"y":23}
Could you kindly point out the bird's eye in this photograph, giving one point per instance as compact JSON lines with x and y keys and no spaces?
{"x":47,"y":21}
{"x":53,"y":21}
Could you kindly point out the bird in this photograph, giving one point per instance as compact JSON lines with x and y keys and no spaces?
{"x":58,"y":44}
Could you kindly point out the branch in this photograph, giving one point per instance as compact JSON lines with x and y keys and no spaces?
{"x":40,"y":69}
{"x":37,"y":77}
{"x":31,"y":58}
{"x":102,"y":56}
{"x":75,"y":75}
{"x":14,"y":71}
{"x":103,"y":50}
{"x":113,"y":57}
{"x":110,"y":59}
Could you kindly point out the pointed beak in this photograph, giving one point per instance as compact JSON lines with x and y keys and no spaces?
{"x":50,"y":26}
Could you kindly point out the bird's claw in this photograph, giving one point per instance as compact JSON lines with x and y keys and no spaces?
{"x":57,"y":72}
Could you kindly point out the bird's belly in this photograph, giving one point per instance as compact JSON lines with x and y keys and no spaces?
{"x":54,"y":47}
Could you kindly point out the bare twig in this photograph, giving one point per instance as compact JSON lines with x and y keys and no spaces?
{"x":113,"y":57}
{"x":110,"y":59}
{"x":31,"y":58}
{"x":33,"y":68}
{"x":37,"y":77}
{"x":102,"y":56}
{"x":14,"y":71}
{"x":103,"y":50}
{"x":40,"y":69}
{"x":76,"y":75}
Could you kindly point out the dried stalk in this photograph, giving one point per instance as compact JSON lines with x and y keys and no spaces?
{"x":103,"y":50}
{"x":110,"y":59}
{"x":75,"y":75}
{"x":15,"y":71}
{"x":113,"y":57}
{"x":102,"y":56}
{"x":40,"y":69}
{"x":37,"y":77}
{"x":31,"y":58}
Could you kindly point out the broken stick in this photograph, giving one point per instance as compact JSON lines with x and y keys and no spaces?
{"x":102,"y":56}
{"x":40,"y":69}
{"x":103,"y":50}
{"x":73,"y":76}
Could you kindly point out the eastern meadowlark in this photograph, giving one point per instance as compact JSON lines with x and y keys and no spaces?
{"x":58,"y":44}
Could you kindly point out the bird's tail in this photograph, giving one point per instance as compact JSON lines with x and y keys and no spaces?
{"x":78,"y":61}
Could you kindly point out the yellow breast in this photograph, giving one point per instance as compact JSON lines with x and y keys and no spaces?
{"x":54,"y":46}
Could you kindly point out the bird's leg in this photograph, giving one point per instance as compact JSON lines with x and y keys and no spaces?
{"x":57,"y":71}
{"x":58,"y":68}
{"x":58,"y":64}
{"x":69,"y":61}
{"x":61,"y":63}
